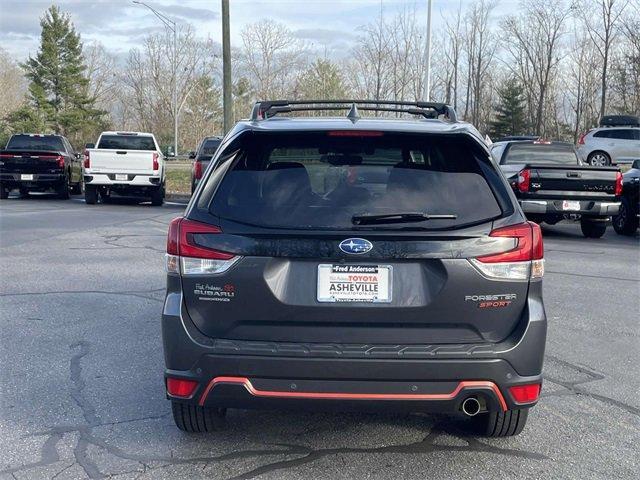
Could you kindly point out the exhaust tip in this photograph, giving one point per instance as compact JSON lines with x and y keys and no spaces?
{"x":471,"y":406}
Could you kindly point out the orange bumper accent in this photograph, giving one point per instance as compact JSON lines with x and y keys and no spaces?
{"x":246,"y":383}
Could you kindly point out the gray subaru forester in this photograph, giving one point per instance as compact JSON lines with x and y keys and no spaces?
{"x":354,"y":262}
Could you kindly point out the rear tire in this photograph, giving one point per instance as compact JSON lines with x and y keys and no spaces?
{"x":500,"y":424}
{"x":157,"y":196}
{"x":63,"y":189}
{"x":90,"y":194}
{"x":196,"y":419}
{"x":599,"y":159}
{"x":626,"y":222}
{"x":591,"y":229}
{"x":4,"y":193}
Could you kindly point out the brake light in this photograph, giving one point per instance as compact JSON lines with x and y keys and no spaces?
{"x":524,"y":178}
{"x":87,"y":159}
{"x":187,"y":257}
{"x":197,"y":169}
{"x":60,"y":160}
{"x":618,"y":189}
{"x":156,"y":165}
{"x":354,"y":133}
{"x":523,"y":262}
{"x":525,"y":393}
{"x":178,"y":387}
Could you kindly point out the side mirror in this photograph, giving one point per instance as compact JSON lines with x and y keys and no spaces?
{"x":192,"y":155}
{"x":89,"y":145}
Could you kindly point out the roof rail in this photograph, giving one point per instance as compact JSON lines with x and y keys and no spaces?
{"x":269,"y":108}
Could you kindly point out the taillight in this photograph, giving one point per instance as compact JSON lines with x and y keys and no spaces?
{"x":60,"y":160}
{"x":525,"y":393}
{"x":87,"y":159}
{"x":187,"y":257}
{"x":197,"y":169}
{"x":524,"y":177}
{"x":618,"y":189}
{"x":156,"y":165}
{"x":523,"y":262}
{"x":582,"y":135}
{"x":178,"y":387}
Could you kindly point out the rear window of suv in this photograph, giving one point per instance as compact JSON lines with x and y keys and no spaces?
{"x":540,"y":153}
{"x":322,"y":180}
{"x":126,"y":142}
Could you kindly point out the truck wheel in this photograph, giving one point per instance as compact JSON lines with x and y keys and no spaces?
{"x":196,"y":419}
{"x":63,"y":189}
{"x":598,"y":159}
{"x":591,"y":229}
{"x":4,"y":193}
{"x":626,"y":222}
{"x":157,"y":196}
{"x":500,"y":424}
{"x":90,"y":194}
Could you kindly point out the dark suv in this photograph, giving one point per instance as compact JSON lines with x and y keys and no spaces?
{"x":354,"y":263}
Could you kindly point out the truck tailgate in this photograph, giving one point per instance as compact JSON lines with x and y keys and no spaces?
{"x":121,"y":161}
{"x":581,"y":183}
{"x":30,"y":161}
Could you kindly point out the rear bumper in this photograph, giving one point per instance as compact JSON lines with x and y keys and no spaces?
{"x":14,"y":180}
{"x":554,"y":207}
{"x":433,"y":378}
{"x":133,"y":179}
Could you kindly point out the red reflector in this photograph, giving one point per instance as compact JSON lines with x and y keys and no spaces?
{"x":354,"y":133}
{"x":178,"y":387}
{"x":529,"y":247}
{"x":180,"y":240}
{"x":618,"y":189}
{"x":525,"y":393}
{"x":197,"y":169}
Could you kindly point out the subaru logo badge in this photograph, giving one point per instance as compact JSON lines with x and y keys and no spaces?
{"x":355,"y":245}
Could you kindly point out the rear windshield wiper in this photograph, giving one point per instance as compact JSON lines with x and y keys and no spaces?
{"x":399,"y":218}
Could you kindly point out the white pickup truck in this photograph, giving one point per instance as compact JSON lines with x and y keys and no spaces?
{"x":124,"y":163}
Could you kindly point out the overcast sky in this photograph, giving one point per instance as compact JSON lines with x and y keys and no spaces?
{"x":120,"y":25}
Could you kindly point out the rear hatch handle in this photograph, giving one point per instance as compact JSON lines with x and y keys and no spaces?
{"x":121,"y":152}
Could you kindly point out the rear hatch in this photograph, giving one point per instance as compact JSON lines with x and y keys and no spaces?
{"x":124,"y":153}
{"x":365,"y":238}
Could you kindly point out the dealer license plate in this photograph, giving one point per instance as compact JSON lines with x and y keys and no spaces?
{"x":570,"y":205}
{"x":354,"y":283}
{"x":26,"y":176}
{"x":122,"y":176}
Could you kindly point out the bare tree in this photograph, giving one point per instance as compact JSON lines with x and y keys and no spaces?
{"x":532,"y":39}
{"x":271,"y":58}
{"x":12,"y":84}
{"x":603,"y":30}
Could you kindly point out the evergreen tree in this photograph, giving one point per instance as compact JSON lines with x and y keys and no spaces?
{"x":322,"y":80}
{"x":510,"y":116}
{"x":58,"y":98}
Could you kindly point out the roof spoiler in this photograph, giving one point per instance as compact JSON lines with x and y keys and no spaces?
{"x":269,"y":108}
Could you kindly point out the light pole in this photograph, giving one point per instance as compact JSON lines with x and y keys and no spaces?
{"x":427,"y":80}
{"x":227,"y":99}
{"x":171,"y":25}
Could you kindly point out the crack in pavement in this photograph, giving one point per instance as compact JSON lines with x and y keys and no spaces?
{"x":574,"y":387}
{"x":600,"y":277}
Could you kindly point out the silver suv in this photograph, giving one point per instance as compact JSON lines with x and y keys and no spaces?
{"x":610,"y":145}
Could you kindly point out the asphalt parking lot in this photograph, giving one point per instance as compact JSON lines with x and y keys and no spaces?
{"x":81,"y":361}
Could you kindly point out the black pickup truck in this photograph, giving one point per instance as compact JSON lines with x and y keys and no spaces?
{"x":552,"y":184}
{"x":36,"y":163}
